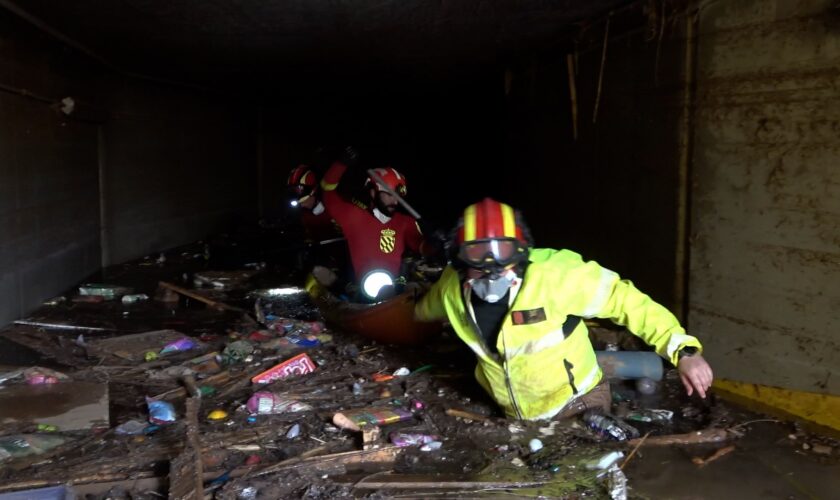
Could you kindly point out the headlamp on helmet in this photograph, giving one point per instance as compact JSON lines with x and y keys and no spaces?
{"x":301,"y":184}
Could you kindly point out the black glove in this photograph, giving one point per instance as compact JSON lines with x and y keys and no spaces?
{"x":349,"y":156}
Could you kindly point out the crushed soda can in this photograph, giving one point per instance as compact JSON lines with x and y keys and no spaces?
{"x":402,"y":439}
{"x":298,"y":365}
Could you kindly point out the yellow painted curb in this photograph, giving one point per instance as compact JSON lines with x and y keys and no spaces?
{"x":822,"y":409}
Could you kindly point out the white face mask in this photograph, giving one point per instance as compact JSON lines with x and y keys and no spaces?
{"x":492,"y":290}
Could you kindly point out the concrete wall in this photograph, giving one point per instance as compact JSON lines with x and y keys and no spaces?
{"x":765,"y":258}
{"x":177,"y":164}
{"x":49,"y":199}
{"x":610,"y":195}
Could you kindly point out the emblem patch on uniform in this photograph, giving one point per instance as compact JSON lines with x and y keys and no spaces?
{"x":387,"y":240}
{"x":528,"y":317}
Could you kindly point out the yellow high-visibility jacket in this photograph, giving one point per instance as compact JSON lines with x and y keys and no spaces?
{"x":536,"y":367}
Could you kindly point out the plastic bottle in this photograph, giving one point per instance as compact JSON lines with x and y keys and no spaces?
{"x":607,"y":426}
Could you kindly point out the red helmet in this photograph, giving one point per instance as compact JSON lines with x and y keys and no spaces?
{"x":302,"y":182}
{"x":491,"y":233}
{"x":391,"y":178}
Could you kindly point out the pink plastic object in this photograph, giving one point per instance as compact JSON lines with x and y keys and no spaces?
{"x":411,"y":439}
{"x":40,"y":379}
{"x":415,"y":405}
{"x":298,"y":365}
{"x":40,"y":376}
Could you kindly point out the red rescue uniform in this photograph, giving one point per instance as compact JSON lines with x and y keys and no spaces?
{"x":373,"y":244}
{"x":319,"y":227}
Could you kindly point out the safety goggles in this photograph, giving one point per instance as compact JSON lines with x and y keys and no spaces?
{"x":491,"y":252}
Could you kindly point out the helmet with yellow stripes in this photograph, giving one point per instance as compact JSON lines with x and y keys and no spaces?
{"x":491,"y":234}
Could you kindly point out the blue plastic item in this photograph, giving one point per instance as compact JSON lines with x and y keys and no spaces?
{"x":161,"y":412}
{"x":52,"y":493}
{"x":630,"y":365}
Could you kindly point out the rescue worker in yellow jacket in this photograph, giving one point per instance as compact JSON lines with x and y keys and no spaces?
{"x":520,"y":309}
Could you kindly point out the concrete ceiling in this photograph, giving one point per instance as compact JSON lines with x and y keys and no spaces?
{"x":276,"y":42}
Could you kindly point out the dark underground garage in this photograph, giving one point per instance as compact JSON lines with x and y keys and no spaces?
{"x":419,"y":249}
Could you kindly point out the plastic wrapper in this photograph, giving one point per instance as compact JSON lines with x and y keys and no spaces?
{"x":411,"y":438}
{"x":38,"y":376}
{"x":161,"y":412}
{"x":298,"y":365}
{"x":360,"y":417}
{"x":131,"y":428}
{"x":102,"y":290}
{"x":268,"y":403}
{"x":180,"y":345}
{"x":24,"y":445}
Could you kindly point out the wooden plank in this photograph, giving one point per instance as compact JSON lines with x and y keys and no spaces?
{"x":201,"y":298}
{"x":436,"y":482}
{"x":133,"y":348}
{"x":186,"y":471}
{"x":452,"y":412}
{"x":377,"y":455}
{"x":699,"y":437}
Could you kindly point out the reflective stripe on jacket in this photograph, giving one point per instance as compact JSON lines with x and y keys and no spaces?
{"x":536,"y":368}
